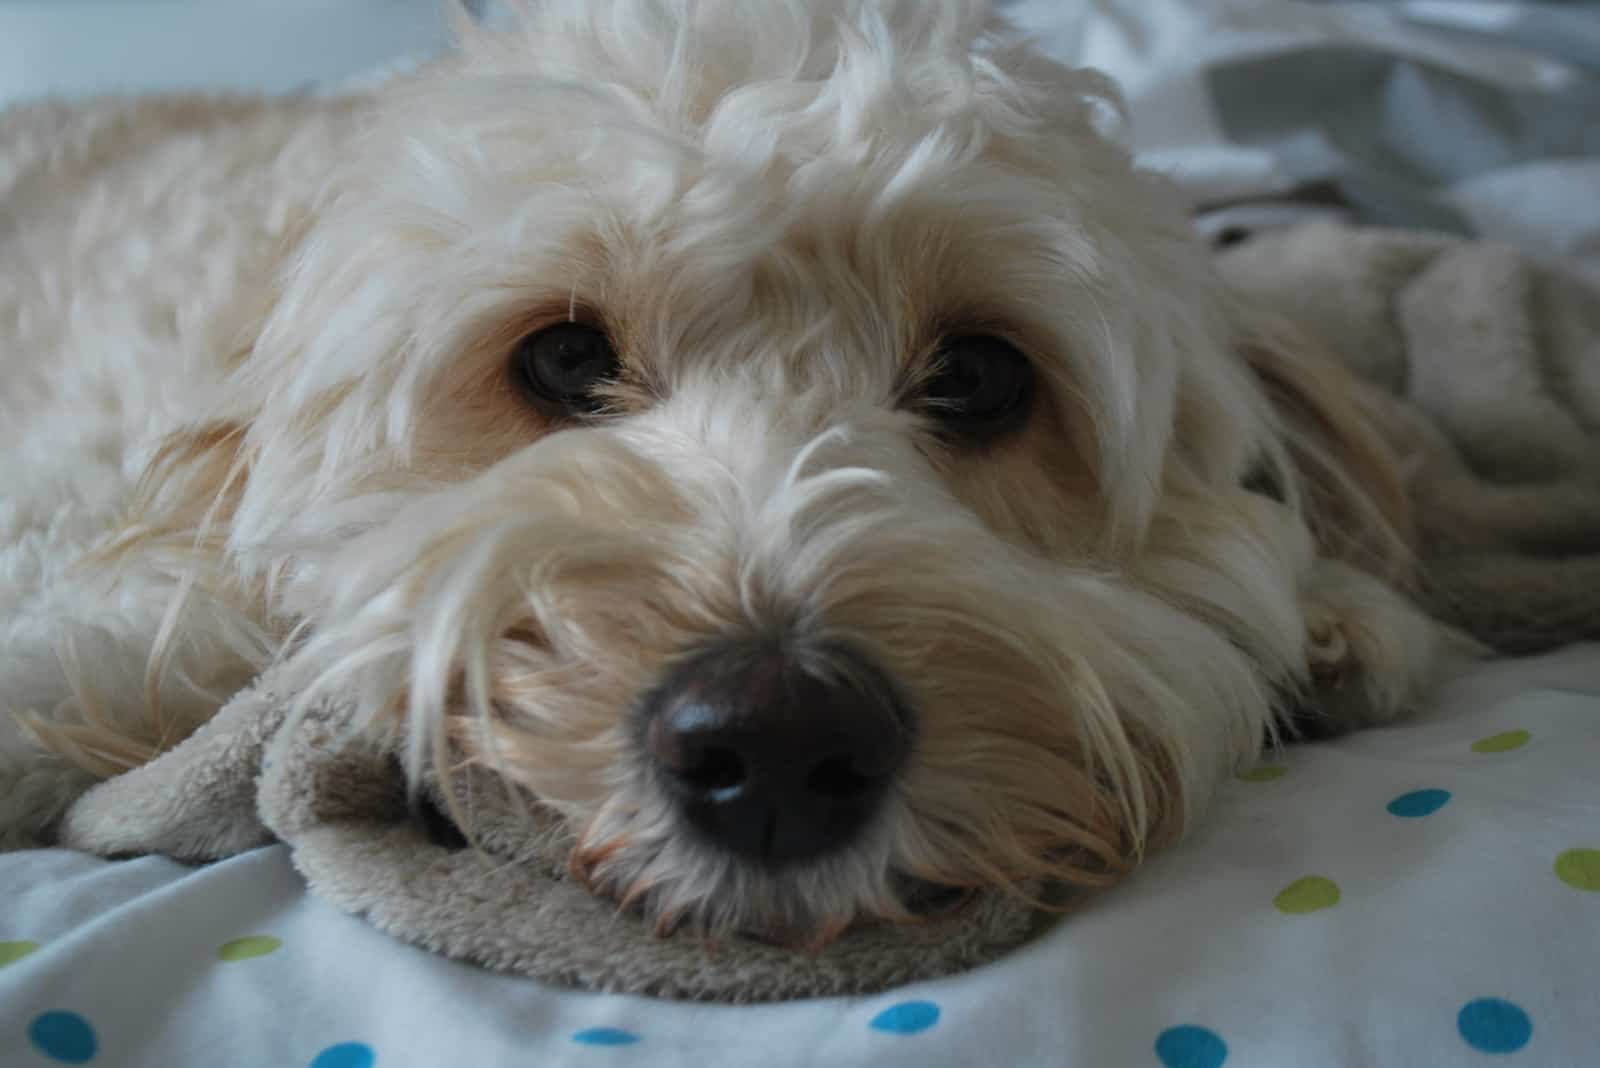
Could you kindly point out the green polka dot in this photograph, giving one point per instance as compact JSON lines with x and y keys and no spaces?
{"x":1503,"y":742}
{"x":1311,"y":894}
{"x":245,"y":948}
{"x":1579,"y":868}
{"x":10,"y":951}
{"x":1265,"y":773}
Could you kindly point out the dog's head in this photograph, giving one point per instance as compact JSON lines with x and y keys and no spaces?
{"x":788,"y":440}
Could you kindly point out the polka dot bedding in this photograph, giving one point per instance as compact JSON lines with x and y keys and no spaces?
{"x":1426,"y":894}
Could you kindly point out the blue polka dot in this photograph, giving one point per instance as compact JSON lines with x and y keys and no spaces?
{"x":1191,"y":1047}
{"x":1418,"y":803}
{"x":1491,"y":1025}
{"x":906,"y":1018}
{"x":605,"y":1036}
{"x":346,"y":1055}
{"x":63,"y":1036}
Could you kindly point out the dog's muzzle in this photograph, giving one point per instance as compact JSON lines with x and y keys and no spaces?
{"x":775,"y":751}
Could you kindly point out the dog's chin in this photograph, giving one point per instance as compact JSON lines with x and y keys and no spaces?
{"x":681,"y":885}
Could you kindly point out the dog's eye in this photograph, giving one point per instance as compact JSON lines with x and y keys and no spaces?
{"x":981,"y":385}
{"x":560,"y":367}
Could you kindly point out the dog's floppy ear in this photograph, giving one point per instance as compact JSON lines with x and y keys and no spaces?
{"x":1348,"y":479}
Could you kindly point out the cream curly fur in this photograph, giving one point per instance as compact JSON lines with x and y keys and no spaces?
{"x":255,"y":405}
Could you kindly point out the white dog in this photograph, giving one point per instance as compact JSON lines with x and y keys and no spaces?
{"x":785,"y":437}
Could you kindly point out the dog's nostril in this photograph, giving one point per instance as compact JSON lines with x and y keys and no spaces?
{"x":838,"y":777}
{"x":714,"y":770}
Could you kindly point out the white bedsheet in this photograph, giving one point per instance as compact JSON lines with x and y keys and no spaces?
{"x":1467,"y":918}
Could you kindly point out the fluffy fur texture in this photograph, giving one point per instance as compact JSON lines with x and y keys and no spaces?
{"x":255,"y":405}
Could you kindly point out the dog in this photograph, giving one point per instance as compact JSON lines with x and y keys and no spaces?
{"x":790,"y":440}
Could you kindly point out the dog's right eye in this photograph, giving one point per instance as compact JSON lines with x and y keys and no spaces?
{"x":981,"y":386}
{"x":561,"y":367}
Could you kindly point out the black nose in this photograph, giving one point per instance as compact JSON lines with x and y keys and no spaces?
{"x":776,"y":753}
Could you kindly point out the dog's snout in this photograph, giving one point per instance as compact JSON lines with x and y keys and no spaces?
{"x":773,"y":753}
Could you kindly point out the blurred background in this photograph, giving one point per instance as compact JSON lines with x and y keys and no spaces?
{"x":1476,"y":117}
{"x":83,"y":46}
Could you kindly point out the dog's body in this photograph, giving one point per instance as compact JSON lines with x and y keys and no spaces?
{"x":141,"y":241}
{"x":661,"y":395}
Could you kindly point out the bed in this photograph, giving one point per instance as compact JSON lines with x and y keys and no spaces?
{"x":1428,"y":893}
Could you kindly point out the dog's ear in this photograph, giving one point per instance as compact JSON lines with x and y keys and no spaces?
{"x":1347,"y":479}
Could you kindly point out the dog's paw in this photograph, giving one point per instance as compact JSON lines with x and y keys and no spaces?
{"x":1371,"y":654}
{"x":36,"y":789}
{"x":1353,"y":684}
{"x":33,"y":802}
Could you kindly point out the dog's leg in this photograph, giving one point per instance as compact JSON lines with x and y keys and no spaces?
{"x":81,"y":701}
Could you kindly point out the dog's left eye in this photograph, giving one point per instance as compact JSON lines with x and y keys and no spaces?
{"x":560,"y":367}
{"x":981,"y":385}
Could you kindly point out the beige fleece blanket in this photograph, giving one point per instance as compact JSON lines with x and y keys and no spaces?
{"x":1491,"y":370}
{"x":1488,"y":374}
{"x":338,"y":798}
